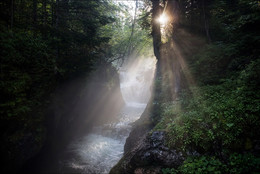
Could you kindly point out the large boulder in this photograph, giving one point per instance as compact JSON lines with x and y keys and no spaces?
{"x":149,"y":155}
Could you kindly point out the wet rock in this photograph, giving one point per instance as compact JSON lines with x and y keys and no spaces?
{"x":154,"y":151}
{"x":137,"y":134}
{"x":148,"y":170}
{"x":149,"y":151}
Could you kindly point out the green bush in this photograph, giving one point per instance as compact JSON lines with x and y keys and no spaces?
{"x":243,"y":163}
{"x":27,"y":78}
{"x":213,"y":118}
{"x":237,"y":163}
{"x":202,"y":165}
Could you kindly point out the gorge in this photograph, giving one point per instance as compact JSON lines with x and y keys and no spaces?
{"x":130,"y":86}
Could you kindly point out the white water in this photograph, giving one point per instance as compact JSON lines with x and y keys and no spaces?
{"x":99,"y":151}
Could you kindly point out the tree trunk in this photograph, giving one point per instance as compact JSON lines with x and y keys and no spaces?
{"x":130,"y":47}
{"x":156,"y":33}
{"x":206,"y":24}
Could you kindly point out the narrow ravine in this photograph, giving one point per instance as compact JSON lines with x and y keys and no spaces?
{"x":103,"y":147}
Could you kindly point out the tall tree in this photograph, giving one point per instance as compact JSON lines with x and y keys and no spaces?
{"x":156,"y":33}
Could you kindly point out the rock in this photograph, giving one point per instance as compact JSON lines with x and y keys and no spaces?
{"x":149,"y":151}
{"x":148,"y":170}
{"x":154,"y":151}
{"x":137,"y":134}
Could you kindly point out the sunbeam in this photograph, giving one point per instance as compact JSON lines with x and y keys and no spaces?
{"x":100,"y":150}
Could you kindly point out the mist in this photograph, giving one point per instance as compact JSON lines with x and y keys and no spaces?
{"x":100,"y":121}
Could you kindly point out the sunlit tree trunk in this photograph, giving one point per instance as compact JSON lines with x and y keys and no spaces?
{"x":156,"y":33}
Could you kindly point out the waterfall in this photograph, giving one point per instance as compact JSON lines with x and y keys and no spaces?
{"x":135,"y":81}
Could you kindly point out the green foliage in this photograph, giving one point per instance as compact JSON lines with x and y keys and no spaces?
{"x":235,"y":32}
{"x":243,"y":163}
{"x":230,"y":20}
{"x":45,"y":44}
{"x":128,"y":38}
{"x":202,"y":165}
{"x":216,"y":117}
{"x":27,"y":77}
{"x":221,"y":60}
{"x":26,"y":66}
{"x":169,"y":171}
{"x":212,"y":63}
{"x":222,"y":112}
{"x":237,"y":163}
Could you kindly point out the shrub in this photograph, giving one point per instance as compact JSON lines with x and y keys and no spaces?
{"x":237,"y":163}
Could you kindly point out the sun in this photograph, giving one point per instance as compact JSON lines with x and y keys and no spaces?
{"x":163,"y":19}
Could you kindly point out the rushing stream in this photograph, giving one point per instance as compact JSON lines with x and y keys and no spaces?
{"x":100,"y":150}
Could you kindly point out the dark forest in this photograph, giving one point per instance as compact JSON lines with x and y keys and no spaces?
{"x":130,"y":86}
